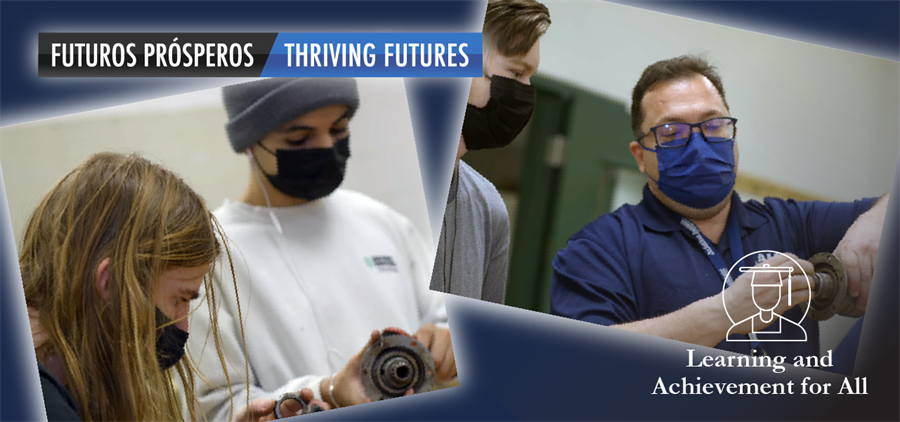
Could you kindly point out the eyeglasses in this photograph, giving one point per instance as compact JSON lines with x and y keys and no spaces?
{"x":675,"y":135}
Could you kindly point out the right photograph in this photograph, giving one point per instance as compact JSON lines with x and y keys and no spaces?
{"x":672,"y":177}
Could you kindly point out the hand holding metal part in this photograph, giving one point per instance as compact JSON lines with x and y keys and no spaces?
{"x":394,"y":364}
{"x":306,"y":408}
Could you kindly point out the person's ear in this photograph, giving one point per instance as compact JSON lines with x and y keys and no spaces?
{"x":101,"y":277}
{"x":637,"y":151}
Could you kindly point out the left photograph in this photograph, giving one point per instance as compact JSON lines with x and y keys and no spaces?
{"x":229,"y":254}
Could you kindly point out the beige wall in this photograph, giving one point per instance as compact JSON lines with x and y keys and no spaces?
{"x":815,"y":119}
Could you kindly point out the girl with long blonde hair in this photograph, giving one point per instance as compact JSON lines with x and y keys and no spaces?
{"x":111,"y":259}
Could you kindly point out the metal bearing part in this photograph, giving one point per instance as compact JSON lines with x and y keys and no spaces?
{"x":830,"y":283}
{"x":305,"y":409}
{"x":395,"y":364}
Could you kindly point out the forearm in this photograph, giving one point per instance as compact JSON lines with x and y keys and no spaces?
{"x":858,"y":250}
{"x":877,"y":213}
{"x":223,"y":403}
{"x":326,"y":385}
{"x":703,"y":323}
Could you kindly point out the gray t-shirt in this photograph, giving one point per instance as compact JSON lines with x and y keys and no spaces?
{"x":473,"y":252}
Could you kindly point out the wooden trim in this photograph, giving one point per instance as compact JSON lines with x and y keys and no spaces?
{"x":762,"y":188}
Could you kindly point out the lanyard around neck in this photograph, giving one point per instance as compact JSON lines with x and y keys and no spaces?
{"x":734,"y":241}
{"x":737,"y":252}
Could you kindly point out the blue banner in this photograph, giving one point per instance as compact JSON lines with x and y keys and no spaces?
{"x":400,"y":54}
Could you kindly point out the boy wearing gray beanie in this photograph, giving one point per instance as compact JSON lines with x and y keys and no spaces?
{"x":296,"y":131}
{"x":323,"y":266}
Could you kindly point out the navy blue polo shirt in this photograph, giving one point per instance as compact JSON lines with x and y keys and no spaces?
{"x":638,"y":262}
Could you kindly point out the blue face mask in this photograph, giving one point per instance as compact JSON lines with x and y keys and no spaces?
{"x":699,"y":174}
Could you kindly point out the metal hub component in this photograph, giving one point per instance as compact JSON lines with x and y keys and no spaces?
{"x":830,"y":283}
{"x":305,"y":408}
{"x":291,"y":396}
{"x":395,"y":364}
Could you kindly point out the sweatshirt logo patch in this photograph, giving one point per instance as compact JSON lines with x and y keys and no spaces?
{"x":381,"y":263}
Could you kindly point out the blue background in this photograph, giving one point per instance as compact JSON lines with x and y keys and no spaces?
{"x":468,"y":66}
{"x":513,"y":364}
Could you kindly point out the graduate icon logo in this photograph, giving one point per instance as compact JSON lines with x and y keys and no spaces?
{"x":770,"y":288}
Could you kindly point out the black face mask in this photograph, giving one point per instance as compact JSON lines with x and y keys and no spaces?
{"x":170,"y":341}
{"x":309,"y":173}
{"x":504,"y":116}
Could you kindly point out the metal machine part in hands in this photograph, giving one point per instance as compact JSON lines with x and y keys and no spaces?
{"x":831,"y":293}
{"x":393,"y":365}
{"x":305,"y":407}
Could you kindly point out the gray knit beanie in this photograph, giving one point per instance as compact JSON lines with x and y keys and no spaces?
{"x":257,"y":108}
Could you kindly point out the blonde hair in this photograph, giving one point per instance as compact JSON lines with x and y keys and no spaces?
{"x":145,"y":219}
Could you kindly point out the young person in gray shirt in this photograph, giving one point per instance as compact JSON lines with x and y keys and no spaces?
{"x":473,"y":251}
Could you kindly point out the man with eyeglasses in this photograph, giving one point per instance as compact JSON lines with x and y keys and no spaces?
{"x":659,"y":267}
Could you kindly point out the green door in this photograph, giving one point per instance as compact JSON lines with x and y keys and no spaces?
{"x":575,"y":142}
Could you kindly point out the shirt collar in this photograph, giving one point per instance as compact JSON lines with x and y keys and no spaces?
{"x":657,"y":217}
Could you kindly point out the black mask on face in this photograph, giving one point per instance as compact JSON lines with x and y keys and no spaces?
{"x":309,"y":173}
{"x":504,"y":116}
{"x":170,"y":341}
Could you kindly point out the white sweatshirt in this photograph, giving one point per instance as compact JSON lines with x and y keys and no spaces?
{"x":346,"y":264}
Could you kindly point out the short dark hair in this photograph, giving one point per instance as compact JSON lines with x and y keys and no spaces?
{"x":515,"y":25}
{"x":670,"y":70}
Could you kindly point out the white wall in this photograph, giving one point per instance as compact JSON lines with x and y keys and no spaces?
{"x":817,"y":119}
{"x":186,"y":133}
